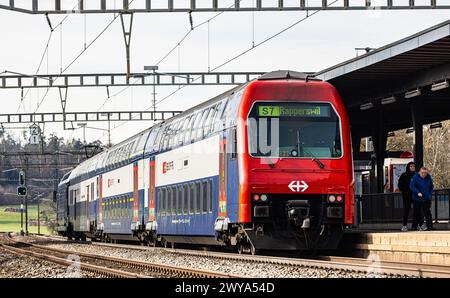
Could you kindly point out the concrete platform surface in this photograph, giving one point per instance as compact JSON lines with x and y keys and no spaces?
{"x":427,"y":247}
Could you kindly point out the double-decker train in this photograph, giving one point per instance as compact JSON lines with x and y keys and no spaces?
{"x":265,"y":165}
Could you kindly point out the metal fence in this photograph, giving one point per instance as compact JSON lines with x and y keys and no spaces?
{"x":388,"y":207}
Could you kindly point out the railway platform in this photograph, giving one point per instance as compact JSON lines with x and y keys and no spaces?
{"x":426,"y":247}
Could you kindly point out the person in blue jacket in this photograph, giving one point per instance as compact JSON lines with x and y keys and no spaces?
{"x":422,"y":188}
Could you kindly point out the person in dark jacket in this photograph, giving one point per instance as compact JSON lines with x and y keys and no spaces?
{"x":422,"y":188}
{"x":403,"y":185}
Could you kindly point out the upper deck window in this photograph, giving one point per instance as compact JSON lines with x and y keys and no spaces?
{"x":295,"y":130}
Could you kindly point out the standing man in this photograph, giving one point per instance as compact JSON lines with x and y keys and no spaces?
{"x":422,"y":187}
{"x":403,"y":185}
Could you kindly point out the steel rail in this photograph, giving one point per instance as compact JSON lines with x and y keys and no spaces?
{"x":368,"y":266}
{"x":336,"y":263}
{"x":102,"y":271}
{"x":160,"y":269}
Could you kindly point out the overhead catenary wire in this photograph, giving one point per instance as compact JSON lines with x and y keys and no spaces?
{"x":78,"y":56}
{"x":172,"y":49}
{"x":46,"y":50}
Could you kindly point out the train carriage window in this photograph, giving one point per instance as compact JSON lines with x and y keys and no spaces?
{"x":115,"y":209}
{"x":125,"y":206}
{"x":198,"y":198}
{"x":178,"y":133}
{"x":233,"y":144}
{"x":204,"y":196}
{"x":167,"y":202}
{"x":188,"y":129}
{"x":165,"y":140}
{"x":197,"y":125}
{"x":208,"y":122}
{"x":214,"y":125}
{"x":184,"y":130}
{"x":163,"y":201}
{"x":130,"y":207}
{"x":172,"y":200}
{"x":211,"y":196}
{"x":185,"y":200}
{"x":111,"y":208}
{"x":92,"y":198}
{"x":97,"y":188}
{"x":158,"y":203}
{"x":179,"y":203}
{"x":122,"y":207}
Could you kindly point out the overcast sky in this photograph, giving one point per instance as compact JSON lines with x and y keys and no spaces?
{"x":323,"y":40}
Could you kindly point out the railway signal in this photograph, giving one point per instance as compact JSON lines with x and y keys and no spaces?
{"x":21,"y":191}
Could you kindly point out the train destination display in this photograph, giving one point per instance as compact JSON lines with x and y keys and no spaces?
{"x":294,"y":111}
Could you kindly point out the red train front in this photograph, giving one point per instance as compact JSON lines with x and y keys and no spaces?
{"x":294,"y":163}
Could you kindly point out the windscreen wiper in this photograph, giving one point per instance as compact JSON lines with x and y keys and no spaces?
{"x":315,"y":159}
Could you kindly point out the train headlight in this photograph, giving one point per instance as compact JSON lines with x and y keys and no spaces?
{"x":331,"y":198}
{"x":264,"y":198}
{"x":339,"y":199}
{"x":294,"y":153}
{"x":256,"y":198}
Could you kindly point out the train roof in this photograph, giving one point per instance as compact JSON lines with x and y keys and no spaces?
{"x":137,"y":145}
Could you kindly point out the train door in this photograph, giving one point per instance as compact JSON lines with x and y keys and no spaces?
{"x":222,"y":198}
{"x":232,"y":178}
{"x":151,"y":192}
{"x":135,"y":192}
{"x":100,"y":202}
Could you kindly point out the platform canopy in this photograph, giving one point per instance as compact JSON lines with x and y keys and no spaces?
{"x":402,"y":85}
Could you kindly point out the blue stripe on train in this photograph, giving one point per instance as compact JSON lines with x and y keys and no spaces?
{"x":190,"y":224}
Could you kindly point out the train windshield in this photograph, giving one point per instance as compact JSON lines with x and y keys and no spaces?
{"x":296,"y":130}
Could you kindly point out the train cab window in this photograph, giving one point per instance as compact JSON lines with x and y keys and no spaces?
{"x":204,"y":196}
{"x":295,"y":130}
{"x":211,"y":195}
{"x":198,"y":198}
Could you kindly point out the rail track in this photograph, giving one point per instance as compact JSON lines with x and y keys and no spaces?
{"x":372,"y":267}
{"x":106,"y":266}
